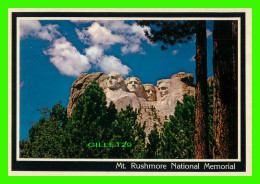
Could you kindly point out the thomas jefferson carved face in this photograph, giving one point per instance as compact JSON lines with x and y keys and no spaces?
{"x":133,"y":84}
{"x":163,"y":89}
{"x":150,"y":92}
{"x":115,"y":81}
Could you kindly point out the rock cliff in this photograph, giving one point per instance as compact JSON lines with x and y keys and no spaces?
{"x":154,"y":103}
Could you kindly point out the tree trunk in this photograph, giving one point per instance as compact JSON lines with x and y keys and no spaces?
{"x":201,"y":139}
{"x":225,"y":105}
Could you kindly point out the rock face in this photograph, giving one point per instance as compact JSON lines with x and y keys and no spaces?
{"x":79,"y":85}
{"x":154,"y":103}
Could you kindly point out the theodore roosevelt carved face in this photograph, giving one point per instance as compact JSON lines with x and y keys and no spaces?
{"x":150,"y":92}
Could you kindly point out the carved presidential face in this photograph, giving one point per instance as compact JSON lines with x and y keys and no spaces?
{"x":114,"y":81}
{"x":150,"y":92}
{"x":163,"y":89}
{"x":133,"y":84}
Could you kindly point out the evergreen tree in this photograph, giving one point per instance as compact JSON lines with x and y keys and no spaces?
{"x":210,"y":118}
{"x":177,"y":137}
{"x":90,"y":123}
{"x":225,"y":67}
{"x":153,"y":146}
{"x":170,"y":33}
{"x":127,"y":130}
{"x":47,"y":136}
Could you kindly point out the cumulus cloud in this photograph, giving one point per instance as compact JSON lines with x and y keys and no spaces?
{"x":35,"y":29}
{"x":106,"y":63}
{"x":139,"y":31}
{"x":98,"y":34}
{"x":120,"y":27}
{"x":133,"y":48}
{"x":94,"y":53}
{"x":67,"y":59}
{"x":109,"y":32}
{"x":208,"y":32}
{"x":110,"y":64}
{"x":174,"y":52}
{"x":29,"y":27}
{"x":117,"y":26}
{"x":83,"y":36}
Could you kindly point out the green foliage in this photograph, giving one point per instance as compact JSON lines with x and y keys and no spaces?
{"x":92,"y":121}
{"x":56,"y":136}
{"x":126,"y":129}
{"x":177,"y":138}
{"x":88,"y":123}
{"x":46,"y":136}
{"x":153,"y":145}
{"x":169,"y":32}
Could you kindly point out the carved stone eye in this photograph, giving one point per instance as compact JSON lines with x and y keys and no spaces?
{"x":163,"y":88}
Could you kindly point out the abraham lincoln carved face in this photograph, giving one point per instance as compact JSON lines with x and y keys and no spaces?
{"x":163,"y":89}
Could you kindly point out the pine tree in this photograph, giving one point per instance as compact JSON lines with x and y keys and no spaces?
{"x":126,"y":129}
{"x":56,"y":136}
{"x":47,"y":136}
{"x":170,"y":33}
{"x":225,"y":64}
{"x":177,"y":137}
{"x":210,"y":117}
{"x":153,"y":146}
{"x":89,"y":123}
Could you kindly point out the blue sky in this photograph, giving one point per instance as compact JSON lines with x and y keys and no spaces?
{"x":53,"y":53}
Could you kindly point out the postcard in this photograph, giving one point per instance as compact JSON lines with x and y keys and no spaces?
{"x":130,"y":92}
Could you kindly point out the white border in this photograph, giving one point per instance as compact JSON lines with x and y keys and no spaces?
{"x":248,"y":77}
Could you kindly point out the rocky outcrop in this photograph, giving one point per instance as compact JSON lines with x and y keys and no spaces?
{"x":79,"y":85}
{"x":154,"y":103}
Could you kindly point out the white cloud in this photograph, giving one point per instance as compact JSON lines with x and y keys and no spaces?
{"x":192,"y":58}
{"x":29,"y":27}
{"x":139,"y":31}
{"x":35,"y":29}
{"x":94,"y":53}
{"x":134,"y":48}
{"x":109,"y":32}
{"x":208,"y":32}
{"x":174,"y":52}
{"x":83,"y":36}
{"x":102,"y":35}
{"x":117,"y":26}
{"x":67,"y":59}
{"x":120,"y":27}
{"x":133,"y":34}
{"x":110,"y":64}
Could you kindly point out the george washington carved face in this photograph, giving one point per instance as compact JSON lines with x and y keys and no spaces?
{"x":115,"y":81}
{"x":150,"y":92}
